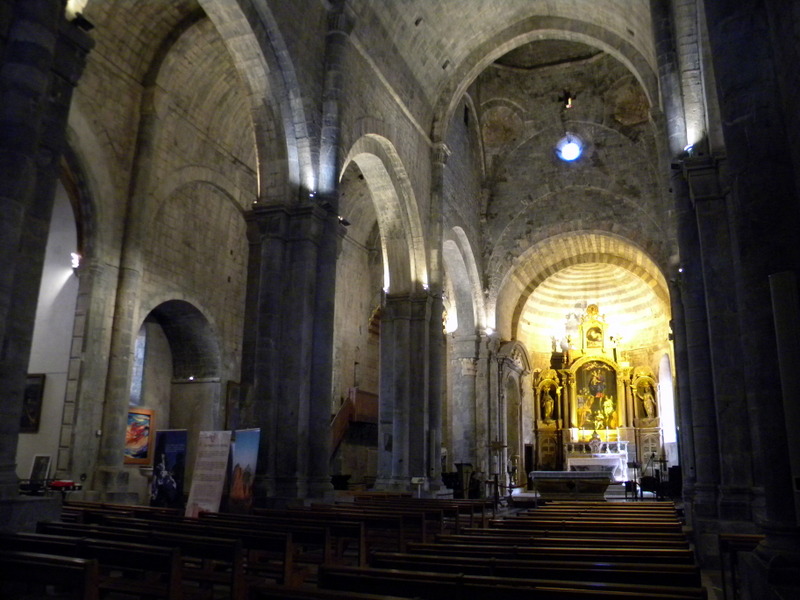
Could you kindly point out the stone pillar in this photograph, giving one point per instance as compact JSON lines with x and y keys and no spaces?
{"x":83,"y":405}
{"x":700,"y":377}
{"x":290,"y":407}
{"x":436,"y":391}
{"x":406,"y":427}
{"x":683,"y":394}
{"x":463,"y":354}
{"x":111,"y":477}
{"x":35,"y":95}
{"x":765,"y":218}
{"x":711,"y":212}
{"x":483,"y":393}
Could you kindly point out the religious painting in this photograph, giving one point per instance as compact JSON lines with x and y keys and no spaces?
{"x":596,"y":398}
{"x":139,"y":434}
{"x":594,"y":337}
{"x":32,"y":404}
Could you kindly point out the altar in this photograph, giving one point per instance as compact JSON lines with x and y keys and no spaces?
{"x":595,"y":455}
{"x":571,"y":485}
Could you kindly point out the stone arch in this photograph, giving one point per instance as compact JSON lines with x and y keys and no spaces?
{"x":402,"y":236}
{"x":553,"y":254}
{"x":192,"y":340}
{"x":88,"y":159}
{"x":263,"y":62}
{"x":536,"y":28}
{"x":181,"y":371}
{"x":459,"y":261}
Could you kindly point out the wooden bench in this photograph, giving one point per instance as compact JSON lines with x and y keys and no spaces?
{"x":269,"y":591}
{"x":476,"y":511}
{"x":640,"y":573}
{"x":206,"y":562}
{"x":78,"y":577}
{"x":598,"y":553}
{"x":449,"y":586}
{"x":511,"y":529}
{"x":529,"y":539}
{"x":597,"y":525}
{"x":124,"y":567}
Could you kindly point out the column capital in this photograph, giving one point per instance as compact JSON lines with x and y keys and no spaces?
{"x":440,"y":153}
{"x":705,"y":176}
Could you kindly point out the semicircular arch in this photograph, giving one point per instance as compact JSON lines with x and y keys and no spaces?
{"x":402,"y":235}
{"x":537,"y":28}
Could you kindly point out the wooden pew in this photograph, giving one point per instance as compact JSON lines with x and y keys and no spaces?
{"x":73,"y":510}
{"x":336,"y":536}
{"x":278,"y":592}
{"x":529,"y":539}
{"x":137,"y":569}
{"x":476,"y":511}
{"x":577,"y":524}
{"x":77,"y":576}
{"x":273,"y":552}
{"x":598,"y":553}
{"x":382,"y":530}
{"x":511,"y":529}
{"x":639,"y":573}
{"x":207,"y":562}
{"x":447,"y":586}
{"x":418,"y":523}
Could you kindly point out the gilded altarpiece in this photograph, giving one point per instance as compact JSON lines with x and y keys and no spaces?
{"x":589,"y":407}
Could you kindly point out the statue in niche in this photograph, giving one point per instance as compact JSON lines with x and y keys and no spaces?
{"x":648,"y":400}
{"x":548,"y":403}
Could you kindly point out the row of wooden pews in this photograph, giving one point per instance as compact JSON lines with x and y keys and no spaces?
{"x":560,"y":551}
{"x":375,"y":545}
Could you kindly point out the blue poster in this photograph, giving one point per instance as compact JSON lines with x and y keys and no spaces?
{"x":244,"y":455}
{"x":169,"y":466}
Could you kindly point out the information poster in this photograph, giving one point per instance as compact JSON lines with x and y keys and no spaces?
{"x":244,"y":449}
{"x":169,"y":467}
{"x":208,"y":480}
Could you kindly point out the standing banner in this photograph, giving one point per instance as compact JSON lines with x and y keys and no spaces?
{"x":166,"y":488}
{"x":208,"y":479}
{"x":244,"y":451}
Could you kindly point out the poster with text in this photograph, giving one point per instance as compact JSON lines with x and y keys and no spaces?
{"x":244,"y":451}
{"x":169,"y":467}
{"x":208,"y":480}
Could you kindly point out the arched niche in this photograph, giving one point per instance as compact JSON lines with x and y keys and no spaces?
{"x":176,"y":374}
{"x":514,"y":366}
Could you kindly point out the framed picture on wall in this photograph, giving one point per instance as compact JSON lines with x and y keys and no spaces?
{"x":139,"y":434}
{"x":32,"y":404}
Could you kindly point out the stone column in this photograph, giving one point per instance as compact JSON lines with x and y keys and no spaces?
{"x":765,"y":218}
{"x":35,"y":95}
{"x":462,"y":383}
{"x":683,"y":394}
{"x":290,"y":407}
{"x":111,"y":477}
{"x":406,"y":424}
{"x":436,"y":391}
{"x":700,"y":378}
{"x":483,"y":393}
{"x":711,"y":212}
